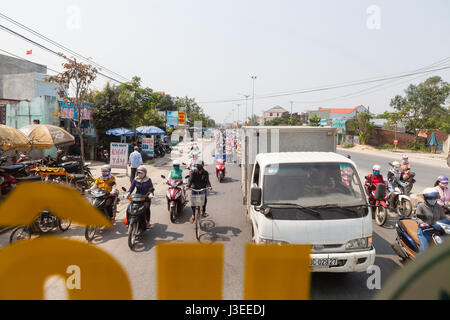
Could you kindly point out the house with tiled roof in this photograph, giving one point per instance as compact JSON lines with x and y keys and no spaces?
{"x":273,"y":113}
{"x":337,"y":113}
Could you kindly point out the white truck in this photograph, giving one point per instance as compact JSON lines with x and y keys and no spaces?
{"x":298,"y":190}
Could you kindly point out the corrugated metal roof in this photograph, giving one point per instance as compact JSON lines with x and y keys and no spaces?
{"x":265,"y":159}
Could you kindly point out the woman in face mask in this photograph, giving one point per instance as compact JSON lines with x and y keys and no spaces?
{"x":444,"y":192}
{"x":427,"y":213}
{"x":143,"y":185}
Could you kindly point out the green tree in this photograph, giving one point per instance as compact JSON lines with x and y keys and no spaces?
{"x":362,"y":126}
{"x":253,"y":120}
{"x":314,"y":120}
{"x":73,"y":85}
{"x":423,"y":106}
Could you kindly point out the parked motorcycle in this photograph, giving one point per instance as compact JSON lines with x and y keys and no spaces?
{"x":159,"y":151}
{"x":176,"y":200}
{"x":136,"y":217}
{"x":44,"y":223}
{"x":167,"y":148}
{"x":98,"y":199}
{"x":377,"y":200}
{"x":407,"y":245}
{"x":220,"y":170}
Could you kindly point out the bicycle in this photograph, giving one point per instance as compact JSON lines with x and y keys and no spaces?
{"x":198,"y":201}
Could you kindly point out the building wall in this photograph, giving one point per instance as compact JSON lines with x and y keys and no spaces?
{"x":40,"y":108}
{"x":25,"y":86}
{"x":10,"y":65}
{"x":382,"y":136}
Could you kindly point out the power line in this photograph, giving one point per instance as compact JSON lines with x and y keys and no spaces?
{"x":58,"y":44}
{"x":18,"y":57}
{"x":47,"y":49}
{"x":331,"y":87}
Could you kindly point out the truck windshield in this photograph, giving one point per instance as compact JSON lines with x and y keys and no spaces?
{"x":313,"y":184}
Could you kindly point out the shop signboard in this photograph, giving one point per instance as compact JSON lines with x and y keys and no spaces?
{"x":148,"y":146}
{"x":119,"y":155}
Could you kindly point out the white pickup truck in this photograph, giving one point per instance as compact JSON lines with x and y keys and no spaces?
{"x":310,"y":197}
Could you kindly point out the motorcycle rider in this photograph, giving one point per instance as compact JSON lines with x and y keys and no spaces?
{"x":199,"y":179}
{"x":406,"y":166}
{"x":108,"y":183}
{"x":394,"y":177}
{"x":143,"y":185}
{"x":177,"y":174}
{"x":427,"y":213}
{"x":441,"y":186}
{"x":375,"y":178}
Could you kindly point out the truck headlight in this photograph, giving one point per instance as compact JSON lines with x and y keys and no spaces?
{"x":360,"y":243}
{"x":269,"y":241}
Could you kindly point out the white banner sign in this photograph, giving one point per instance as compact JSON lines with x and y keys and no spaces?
{"x":119,"y":155}
{"x":148,"y":146}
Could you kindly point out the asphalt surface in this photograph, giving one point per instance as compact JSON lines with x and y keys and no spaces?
{"x":227,"y":224}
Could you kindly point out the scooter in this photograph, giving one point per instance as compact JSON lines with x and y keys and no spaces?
{"x":407,"y":245}
{"x":400,"y":201}
{"x":377,"y":200}
{"x":98,"y":200}
{"x":408,"y":177}
{"x":220,"y":170}
{"x":176,"y":199}
{"x":135,"y":219}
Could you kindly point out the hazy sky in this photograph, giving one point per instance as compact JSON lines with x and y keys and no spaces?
{"x":209,"y":49}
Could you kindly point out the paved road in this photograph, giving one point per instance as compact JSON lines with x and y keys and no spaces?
{"x":227,"y":224}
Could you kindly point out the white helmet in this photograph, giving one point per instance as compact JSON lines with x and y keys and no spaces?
{"x":396,"y":164}
{"x":106,"y":168}
{"x":376,"y":168}
{"x":405,"y":157}
{"x":142,"y":169}
{"x":176,"y":163}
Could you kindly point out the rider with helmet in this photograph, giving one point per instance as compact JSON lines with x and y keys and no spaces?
{"x":405,"y":165}
{"x":143,"y":185}
{"x":108,"y":183}
{"x":177,"y":174}
{"x":376,"y":177}
{"x":394,"y":177}
{"x":427,"y":213}
{"x":444,"y":192}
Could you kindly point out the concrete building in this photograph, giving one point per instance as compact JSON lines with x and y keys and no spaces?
{"x":273,"y":113}
{"x":336,"y":113}
{"x":10,"y":65}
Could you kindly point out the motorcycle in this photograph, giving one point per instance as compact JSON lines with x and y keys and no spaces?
{"x":176,"y":199}
{"x":377,"y":200}
{"x":408,"y":177}
{"x":407,"y":244}
{"x":98,"y":200}
{"x":136,"y":215}
{"x":220,"y":170}
{"x":159,"y":151}
{"x":400,"y":201}
{"x":44,"y":223}
{"x":167,"y":148}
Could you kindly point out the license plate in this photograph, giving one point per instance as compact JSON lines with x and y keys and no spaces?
{"x":325,"y":262}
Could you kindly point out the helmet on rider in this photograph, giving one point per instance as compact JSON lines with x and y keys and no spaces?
{"x":141,"y":172}
{"x":176,"y":164}
{"x":106,"y":171}
{"x":376,"y":169}
{"x":431,"y":195}
{"x":199,"y":164}
{"x":405,"y":157}
{"x":396,"y":165}
{"x":442,"y":181}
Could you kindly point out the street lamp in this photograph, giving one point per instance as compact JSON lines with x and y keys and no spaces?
{"x":246,"y":105}
{"x":238,"y":105}
{"x":253,"y":100}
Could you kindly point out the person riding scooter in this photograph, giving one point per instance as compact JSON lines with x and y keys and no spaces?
{"x":427,"y":213}
{"x":441,"y":186}
{"x":375,"y":178}
{"x":405,"y":165}
{"x":143,"y":185}
{"x":177,"y":174}
{"x":108,"y":183}
{"x":394,"y":178}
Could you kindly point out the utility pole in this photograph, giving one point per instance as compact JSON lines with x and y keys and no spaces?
{"x":253,"y":100}
{"x":238,"y":105}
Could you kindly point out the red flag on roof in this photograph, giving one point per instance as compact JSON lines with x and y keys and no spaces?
{"x":29,"y":51}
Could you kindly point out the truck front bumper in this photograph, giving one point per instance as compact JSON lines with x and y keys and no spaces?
{"x":358,"y":261}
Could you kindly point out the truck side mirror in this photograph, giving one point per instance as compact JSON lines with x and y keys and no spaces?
{"x":255,"y":196}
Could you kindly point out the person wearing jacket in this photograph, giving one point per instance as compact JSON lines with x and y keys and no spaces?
{"x":394,"y":178}
{"x":441,"y":186}
{"x":143,"y":185}
{"x":376,"y":177}
{"x":427,"y":213}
